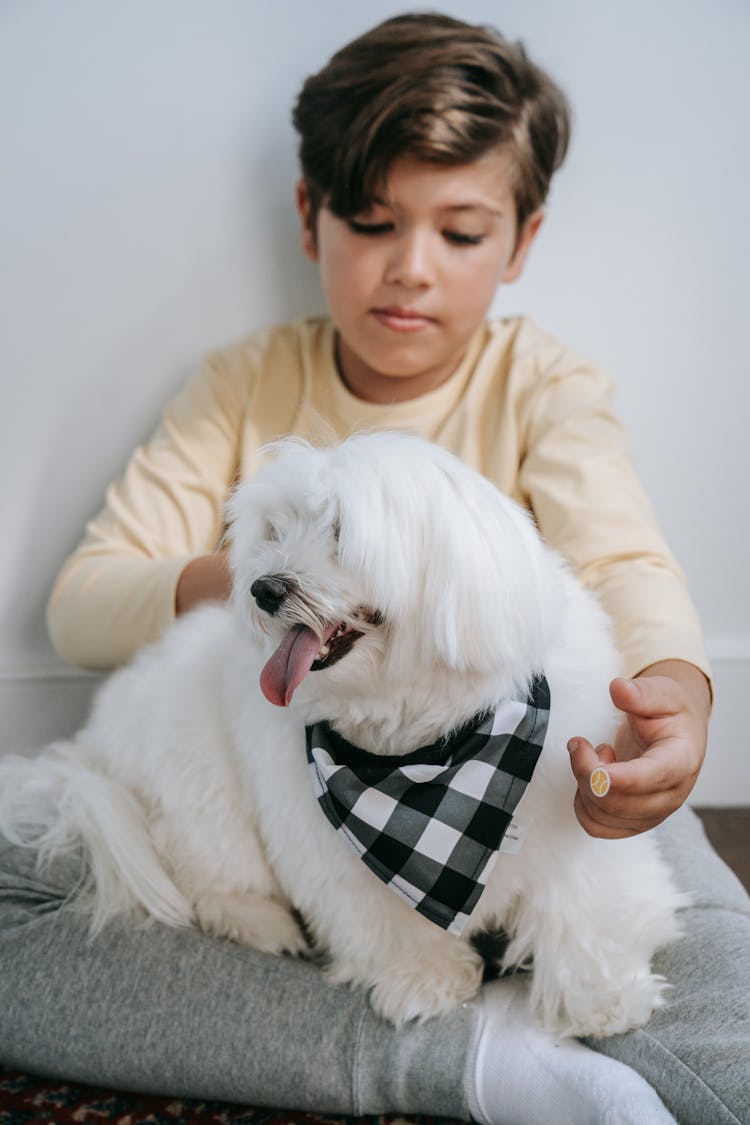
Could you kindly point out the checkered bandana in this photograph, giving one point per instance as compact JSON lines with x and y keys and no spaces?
{"x":430,"y":823}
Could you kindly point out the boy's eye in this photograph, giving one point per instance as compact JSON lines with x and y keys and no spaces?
{"x":458,"y":238}
{"x":371,"y":229}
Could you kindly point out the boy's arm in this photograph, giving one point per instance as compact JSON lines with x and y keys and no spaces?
{"x":578,"y":478}
{"x":118,"y":590}
{"x":658,"y":751}
{"x":581,"y":484}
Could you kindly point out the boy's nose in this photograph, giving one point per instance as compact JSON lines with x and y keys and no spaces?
{"x":410,"y":262}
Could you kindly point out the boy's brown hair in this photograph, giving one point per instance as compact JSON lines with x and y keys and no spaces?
{"x":435,"y":89}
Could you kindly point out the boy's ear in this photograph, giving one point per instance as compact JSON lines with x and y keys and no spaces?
{"x":308,"y":241}
{"x":526,"y":236}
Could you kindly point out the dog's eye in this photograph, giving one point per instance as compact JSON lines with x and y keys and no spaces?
{"x":336,"y":529}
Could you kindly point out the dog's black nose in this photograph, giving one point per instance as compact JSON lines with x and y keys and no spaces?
{"x":269,"y":592}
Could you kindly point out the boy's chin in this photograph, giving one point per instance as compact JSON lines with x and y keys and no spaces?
{"x":396,"y":371}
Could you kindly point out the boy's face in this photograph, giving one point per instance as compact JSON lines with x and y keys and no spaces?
{"x":409,"y":282}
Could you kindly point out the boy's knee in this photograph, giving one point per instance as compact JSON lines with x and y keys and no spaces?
{"x":695,"y":1051}
{"x":700,"y":1079}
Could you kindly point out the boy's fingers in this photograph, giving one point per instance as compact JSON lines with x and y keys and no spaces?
{"x":594,"y":817}
{"x":611,"y":802}
{"x":649,"y":775}
{"x":585,"y":760}
{"x":589,"y":765}
{"x":619,"y":799}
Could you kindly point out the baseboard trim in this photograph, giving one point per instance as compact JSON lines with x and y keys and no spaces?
{"x":46,"y":671}
{"x":41,"y":701}
{"x":729,"y":651}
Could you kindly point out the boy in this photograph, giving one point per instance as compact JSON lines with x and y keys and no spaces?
{"x":427,"y":148}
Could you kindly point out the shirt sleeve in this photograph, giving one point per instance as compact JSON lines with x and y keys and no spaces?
{"x":116,"y":592}
{"x":578,"y":477}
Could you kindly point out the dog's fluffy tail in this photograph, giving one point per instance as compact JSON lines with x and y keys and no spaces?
{"x":54,"y":803}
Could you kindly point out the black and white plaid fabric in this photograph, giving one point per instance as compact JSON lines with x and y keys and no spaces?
{"x":430,"y":823}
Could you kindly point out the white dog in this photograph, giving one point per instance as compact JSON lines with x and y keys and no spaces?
{"x":417,"y":645}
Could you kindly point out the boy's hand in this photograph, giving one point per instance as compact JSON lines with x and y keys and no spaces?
{"x":658,"y":752}
{"x":206,"y":578}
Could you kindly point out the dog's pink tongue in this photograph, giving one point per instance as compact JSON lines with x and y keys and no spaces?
{"x":289,"y":665}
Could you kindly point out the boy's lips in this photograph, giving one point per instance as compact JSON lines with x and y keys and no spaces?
{"x":401,"y":319}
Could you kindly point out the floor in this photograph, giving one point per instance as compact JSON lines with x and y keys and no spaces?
{"x":729,"y":832}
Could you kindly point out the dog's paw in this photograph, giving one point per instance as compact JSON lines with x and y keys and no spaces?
{"x":252,"y":920}
{"x":427,"y":986}
{"x":621,"y":1009}
{"x":609,"y":1009}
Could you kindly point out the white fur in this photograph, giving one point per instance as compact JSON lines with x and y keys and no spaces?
{"x":192,"y":794}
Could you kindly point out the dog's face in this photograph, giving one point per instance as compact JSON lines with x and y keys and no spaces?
{"x":385,"y":568}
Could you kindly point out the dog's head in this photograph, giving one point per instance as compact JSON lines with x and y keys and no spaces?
{"x":387,"y":579}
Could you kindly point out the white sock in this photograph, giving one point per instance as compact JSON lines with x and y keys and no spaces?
{"x":525,"y":1076}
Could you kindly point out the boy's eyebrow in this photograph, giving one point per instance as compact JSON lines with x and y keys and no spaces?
{"x":475,"y":207}
{"x":452,"y":206}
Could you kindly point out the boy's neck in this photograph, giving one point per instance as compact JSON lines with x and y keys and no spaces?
{"x":383,"y":389}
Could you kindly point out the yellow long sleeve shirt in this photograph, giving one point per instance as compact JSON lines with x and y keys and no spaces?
{"x":533,"y":417}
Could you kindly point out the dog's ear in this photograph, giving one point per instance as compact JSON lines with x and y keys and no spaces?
{"x":448,"y":559}
{"x":488,"y":594}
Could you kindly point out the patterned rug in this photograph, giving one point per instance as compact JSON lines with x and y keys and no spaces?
{"x":27,"y":1100}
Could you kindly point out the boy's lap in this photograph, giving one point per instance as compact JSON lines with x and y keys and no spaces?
{"x":694,"y":1051}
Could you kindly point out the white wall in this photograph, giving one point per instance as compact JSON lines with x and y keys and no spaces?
{"x":147,"y":164}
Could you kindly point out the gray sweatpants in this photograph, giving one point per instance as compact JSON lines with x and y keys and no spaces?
{"x":172,"y":1011}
